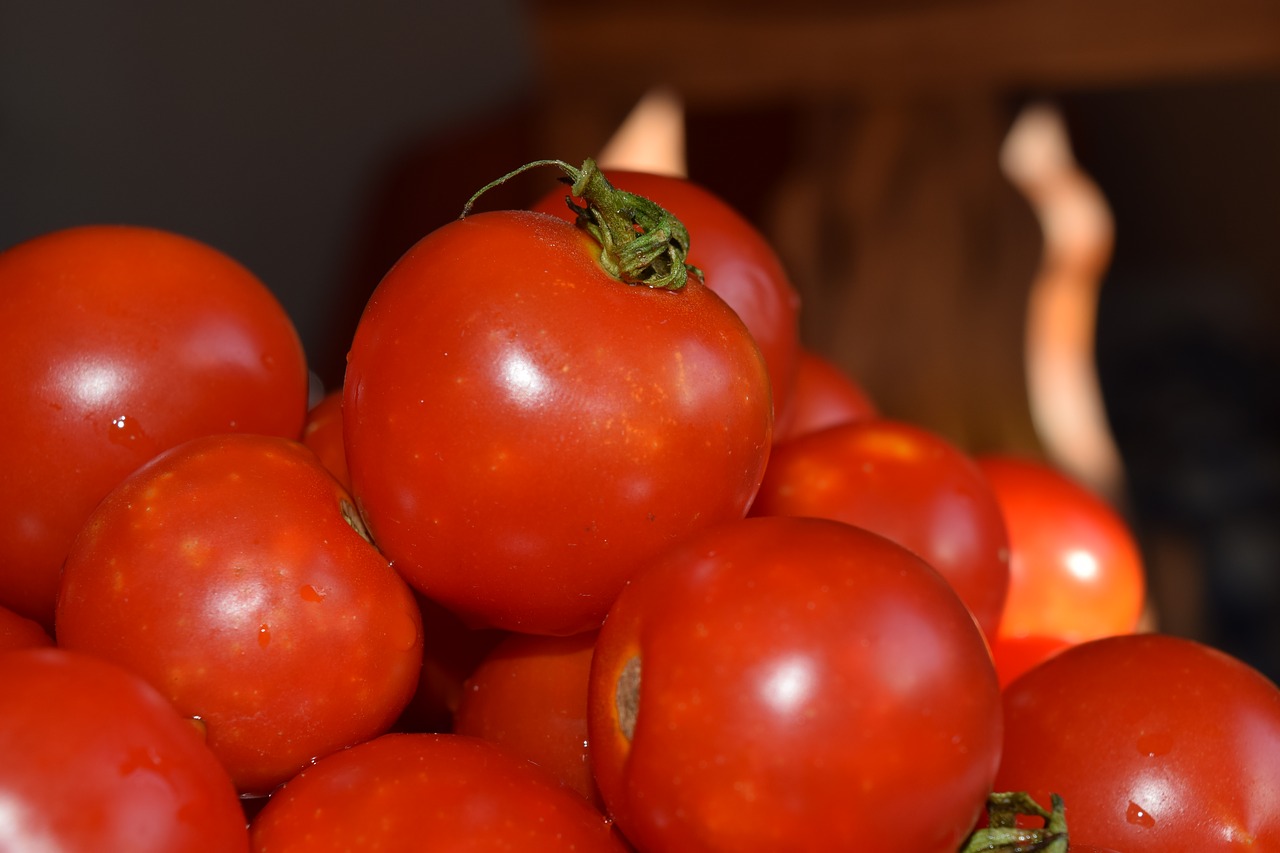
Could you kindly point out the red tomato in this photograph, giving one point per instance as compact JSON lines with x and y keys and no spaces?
{"x":792,"y":683}
{"x":451,"y":651}
{"x":323,"y":434}
{"x":1156,"y":744}
{"x":523,"y":430}
{"x":19,"y":632}
{"x":530,"y":696}
{"x":122,"y":342}
{"x":232,"y":574}
{"x":908,"y":484}
{"x":95,"y":759}
{"x":429,"y":791}
{"x":1075,"y":571}
{"x":822,"y":395}
{"x":1015,"y":655}
{"x":737,"y":261}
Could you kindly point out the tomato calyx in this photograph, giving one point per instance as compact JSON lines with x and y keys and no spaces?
{"x":1003,"y":835}
{"x":640,"y":241}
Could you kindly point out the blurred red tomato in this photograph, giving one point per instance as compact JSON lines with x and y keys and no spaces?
{"x":19,"y":632}
{"x":120,"y":342}
{"x":1156,"y":744}
{"x":907,"y":484}
{"x":95,"y":759}
{"x":822,"y":395}
{"x":1075,"y":571}
{"x":1015,"y":655}
{"x":232,"y":573}
{"x":429,"y":792}
{"x":530,"y":696}
{"x":792,"y":683}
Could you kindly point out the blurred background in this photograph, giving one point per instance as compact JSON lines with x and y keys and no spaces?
{"x":1064,"y":212}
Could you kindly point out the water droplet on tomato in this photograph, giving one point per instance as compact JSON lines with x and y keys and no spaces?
{"x":264,"y":635}
{"x":1155,"y":744}
{"x":1138,"y":816}
{"x":310,"y":593}
{"x":124,"y":430}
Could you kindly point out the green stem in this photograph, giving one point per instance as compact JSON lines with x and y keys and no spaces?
{"x":1003,"y":835}
{"x":640,"y":241}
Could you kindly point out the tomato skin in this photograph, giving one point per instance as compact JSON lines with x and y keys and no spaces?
{"x":226,"y":572}
{"x":523,"y":431}
{"x":1075,"y":571}
{"x":822,"y":395}
{"x":451,"y":651}
{"x":908,"y":484}
{"x":19,"y":632}
{"x":95,"y":759}
{"x":322,"y":432}
{"x":121,"y":342}
{"x":447,"y":792}
{"x":803,"y":685}
{"x":530,"y":695}
{"x":1015,"y":655}
{"x":1155,"y":743}
{"x":737,"y":261}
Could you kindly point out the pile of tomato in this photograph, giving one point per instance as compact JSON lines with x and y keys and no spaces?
{"x":589,"y":552}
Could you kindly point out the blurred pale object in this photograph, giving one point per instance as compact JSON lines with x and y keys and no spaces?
{"x":651,"y":137}
{"x":1062,"y":380}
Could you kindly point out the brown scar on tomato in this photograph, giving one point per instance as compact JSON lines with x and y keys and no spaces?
{"x":352,"y":517}
{"x":626,"y":697}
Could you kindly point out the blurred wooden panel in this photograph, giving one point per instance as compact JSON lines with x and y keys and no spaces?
{"x":805,"y":49}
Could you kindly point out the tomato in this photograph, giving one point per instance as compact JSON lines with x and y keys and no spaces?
{"x":908,"y":484}
{"x":232,"y":573}
{"x":1075,"y":571}
{"x":792,"y":683}
{"x":530,"y":695}
{"x":1155,"y":743}
{"x":120,"y":342}
{"x":322,"y":432}
{"x":1015,"y":655}
{"x":451,"y":651}
{"x":95,"y":759}
{"x":823,"y":395}
{"x":736,"y":260}
{"x":19,"y":632}
{"x":523,"y":430}
{"x":429,"y":791}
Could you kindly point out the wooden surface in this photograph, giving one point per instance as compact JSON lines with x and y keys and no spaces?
{"x":807,"y":49}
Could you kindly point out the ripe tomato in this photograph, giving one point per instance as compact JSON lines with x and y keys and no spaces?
{"x":822,"y":395}
{"x":908,"y":484}
{"x":792,"y":683}
{"x":1015,"y":655}
{"x":1157,"y":744}
{"x":1075,"y":572}
{"x":523,"y":430}
{"x":322,"y":432}
{"x":19,"y":632}
{"x":451,"y":651}
{"x":95,"y":759}
{"x":232,"y":574}
{"x":737,"y":262}
{"x":120,"y":342}
{"x":530,"y":696}
{"x":429,"y":791}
